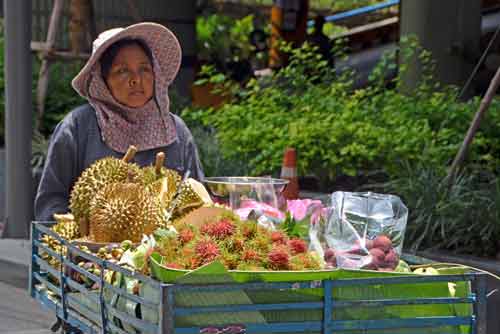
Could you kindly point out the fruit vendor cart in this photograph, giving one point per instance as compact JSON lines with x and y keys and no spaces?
{"x":323,"y":301}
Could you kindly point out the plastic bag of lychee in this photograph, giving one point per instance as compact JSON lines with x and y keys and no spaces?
{"x":361,"y":231}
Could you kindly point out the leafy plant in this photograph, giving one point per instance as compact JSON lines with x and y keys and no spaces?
{"x":461,"y":216}
{"x":338,"y":130}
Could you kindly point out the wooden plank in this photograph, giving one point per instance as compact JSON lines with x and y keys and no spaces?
{"x":43,"y":79}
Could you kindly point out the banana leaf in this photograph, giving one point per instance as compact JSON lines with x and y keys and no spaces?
{"x":345,"y":293}
{"x":215,"y":273}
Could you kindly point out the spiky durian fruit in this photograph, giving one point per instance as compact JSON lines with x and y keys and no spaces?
{"x":66,"y":226}
{"x":121,"y":211}
{"x":99,"y":174}
{"x":192,"y":195}
{"x":161,"y":181}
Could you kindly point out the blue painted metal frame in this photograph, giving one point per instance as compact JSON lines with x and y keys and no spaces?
{"x":101,"y":315}
{"x":357,"y":12}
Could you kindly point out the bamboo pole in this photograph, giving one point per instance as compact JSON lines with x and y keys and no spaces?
{"x":43,"y":79}
{"x":476,"y":122}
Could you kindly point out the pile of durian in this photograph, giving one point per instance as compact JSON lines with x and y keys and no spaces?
{"x":115,"y":199}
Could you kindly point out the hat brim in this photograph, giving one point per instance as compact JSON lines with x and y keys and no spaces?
{"x":163,"y":44}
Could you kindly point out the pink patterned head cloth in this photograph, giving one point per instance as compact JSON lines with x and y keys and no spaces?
{"x":150,"y":126}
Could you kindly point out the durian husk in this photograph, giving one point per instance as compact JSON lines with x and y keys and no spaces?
{"x":94,"y":178}
{"x":192,"y":195}
{"x":121,"y":211}
{"x":162,"y":184}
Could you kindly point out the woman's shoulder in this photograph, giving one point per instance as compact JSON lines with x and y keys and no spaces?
{"x":80,"y":117}
{"x":181,"y":127}
{"x":81,"y":114}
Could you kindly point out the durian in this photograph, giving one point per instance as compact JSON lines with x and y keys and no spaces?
{"x":101,"y":173}
{"x":192,"y":195}
{"x":160,"y":181}
{"x":124,"y":211}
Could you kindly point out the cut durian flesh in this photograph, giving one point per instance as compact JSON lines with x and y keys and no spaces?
{"x":164,"y":185}
{"x":192,"y":195}
{"x":94,"y":178}
{"x":122,"y":211}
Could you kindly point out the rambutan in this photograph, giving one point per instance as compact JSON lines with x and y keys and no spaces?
{"x":278,"y":237}
{"x":304,"y":261}
{"x":248,"y":229}
{"x":250,"y":255}
{"x":297,"y":246}
{"x":206,"y":251}
{"x":186,"y":235}
{"x":230,"y":260}
{"x":278,"y":258}
{"x":220,"y":229}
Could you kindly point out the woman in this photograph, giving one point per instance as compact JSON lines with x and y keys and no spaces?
{"x":125,"y":82}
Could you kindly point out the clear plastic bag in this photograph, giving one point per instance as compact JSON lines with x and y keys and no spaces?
{"x":362,"y":230}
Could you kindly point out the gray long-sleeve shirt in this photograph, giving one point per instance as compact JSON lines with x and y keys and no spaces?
{"x":77,"y":143}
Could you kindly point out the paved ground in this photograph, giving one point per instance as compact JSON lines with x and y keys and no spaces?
{"x":19,"y":314}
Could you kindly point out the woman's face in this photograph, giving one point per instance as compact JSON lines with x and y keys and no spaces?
{"x":131,"y":77}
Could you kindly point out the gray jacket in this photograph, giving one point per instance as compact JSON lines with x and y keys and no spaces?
{"x":77,"y":143}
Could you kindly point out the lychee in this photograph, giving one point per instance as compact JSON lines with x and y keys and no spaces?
{"x":391,"y":258}
{"x":329,"y":255}
{"x":369,"y":244}
{"x":356,"y":250}
{"x":370,"y":266}
{"x":383,"y":242}
{"x":378,"y":256}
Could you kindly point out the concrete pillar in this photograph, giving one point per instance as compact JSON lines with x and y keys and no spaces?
{"x":450,"y":29}
{"x":18,"y":120}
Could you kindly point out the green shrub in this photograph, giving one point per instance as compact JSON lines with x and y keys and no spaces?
{"x":340,"y":131}
{"x":462,"y":216}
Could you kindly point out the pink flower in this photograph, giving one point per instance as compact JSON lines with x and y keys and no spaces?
{"x":299,"y":208}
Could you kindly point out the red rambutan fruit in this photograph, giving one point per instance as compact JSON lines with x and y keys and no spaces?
{"x":278,"y":258}
{"x":206,"y":251}
{"x":297,"y":246}
{"x":186,"y":235}
{"x":278,"y":237}
{"x":250,"y":255}
{"x":220,"y":230}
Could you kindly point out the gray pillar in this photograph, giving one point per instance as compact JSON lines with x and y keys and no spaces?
{"x":18,"y":118}
{"x":450,"y":29}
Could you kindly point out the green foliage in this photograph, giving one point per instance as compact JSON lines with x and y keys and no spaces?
{"x":61,"y":97}
{"x":341,"y":131}
{"x":222,"y":39}
{"x":461,"y":216}
{"x":330,"y":5}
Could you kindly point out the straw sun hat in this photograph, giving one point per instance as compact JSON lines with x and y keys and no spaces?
{"x":164,"y":46}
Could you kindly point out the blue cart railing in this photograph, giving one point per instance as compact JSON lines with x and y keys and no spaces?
{"x":295,"y":307}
